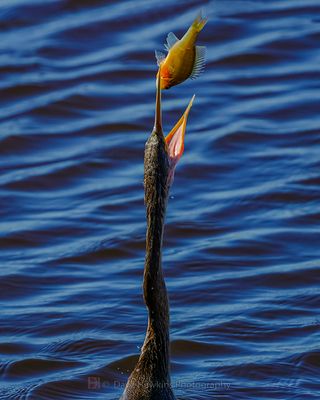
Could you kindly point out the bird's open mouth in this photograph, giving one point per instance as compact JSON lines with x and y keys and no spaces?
{"x":175,"y":139}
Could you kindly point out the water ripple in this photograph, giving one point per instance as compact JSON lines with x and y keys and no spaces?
{"x":241,"y":252}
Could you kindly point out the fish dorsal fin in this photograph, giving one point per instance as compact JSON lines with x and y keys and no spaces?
{"x":171,"y":40}
{"x":159,"y":56}
{"x":199,"y":63}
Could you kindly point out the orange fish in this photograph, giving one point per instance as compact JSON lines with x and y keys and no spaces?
{"x":184,"y":59}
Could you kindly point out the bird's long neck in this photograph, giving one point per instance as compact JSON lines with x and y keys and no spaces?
{"x":156,"y":345}
{"x":155,"y":350}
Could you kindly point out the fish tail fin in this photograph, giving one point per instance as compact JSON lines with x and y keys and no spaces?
{"x":199,"y":22}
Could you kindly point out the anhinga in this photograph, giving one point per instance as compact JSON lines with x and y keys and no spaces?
{"x":150,"y":379}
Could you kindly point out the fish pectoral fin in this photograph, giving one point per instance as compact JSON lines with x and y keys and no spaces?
{"x":159,"y":56}
{"x":171,"y":40}
{"x":171,"y":70}
{"x":199,"y":62}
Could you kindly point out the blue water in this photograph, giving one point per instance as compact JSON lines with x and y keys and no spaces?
{"x":241,"y":250}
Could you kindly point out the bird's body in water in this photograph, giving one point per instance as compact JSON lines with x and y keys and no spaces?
{"x":150,"y":379}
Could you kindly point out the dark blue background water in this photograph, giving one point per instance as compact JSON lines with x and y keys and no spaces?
{"x":241,"y":252}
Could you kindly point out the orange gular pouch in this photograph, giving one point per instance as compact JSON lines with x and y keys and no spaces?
{"x":175,"y":141}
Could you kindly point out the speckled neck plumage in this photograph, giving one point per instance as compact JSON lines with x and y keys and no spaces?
{"x":155,"y":294}
{"x":150,"y":380}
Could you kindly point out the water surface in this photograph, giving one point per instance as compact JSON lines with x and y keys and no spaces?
{"x":241,"y":251}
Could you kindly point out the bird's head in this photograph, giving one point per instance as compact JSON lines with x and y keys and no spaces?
{"x":174,"y":141}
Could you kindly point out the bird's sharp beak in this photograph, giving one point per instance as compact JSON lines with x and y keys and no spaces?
{"x":175,"y":139}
